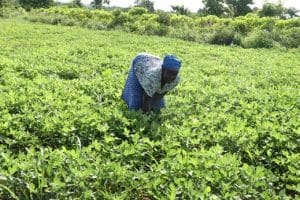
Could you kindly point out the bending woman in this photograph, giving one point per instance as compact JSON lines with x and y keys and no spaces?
{"x":149,"y":79}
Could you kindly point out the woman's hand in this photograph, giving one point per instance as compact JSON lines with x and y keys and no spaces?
{"x":148,"y":101}
{"x":157,"y":96}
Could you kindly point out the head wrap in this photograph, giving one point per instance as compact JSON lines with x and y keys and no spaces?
{"x":171,"y":62}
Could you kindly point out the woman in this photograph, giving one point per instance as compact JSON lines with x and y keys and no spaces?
{"x":149,"y":80}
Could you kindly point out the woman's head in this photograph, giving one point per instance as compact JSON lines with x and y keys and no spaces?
{"x":170,"y":68}
{"x":171,"y":62}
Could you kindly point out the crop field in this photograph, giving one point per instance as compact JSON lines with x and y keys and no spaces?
{"x":231,"y":129}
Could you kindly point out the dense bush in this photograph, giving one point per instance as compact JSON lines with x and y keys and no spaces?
{"x":28,"y":4}
{"x":106,"y":17}
{"x":291,"y":37}
{"x":184,"y":33}
{"x":250,"y":30}
{"x":207,"y":21}
{"x":258,"y":39}
{"x":271,"y":10}
{"x":136,"y":11}
{"x":223,"y":35}
{"x":119,"y":18}
{"x":10,"y":8}
{"x":286,"y":24}
{"x":9,"y":12}
{"x":163,"y":18}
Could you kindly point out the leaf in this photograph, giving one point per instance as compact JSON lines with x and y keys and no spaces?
{"x":207,"y":190}
{"x":172,"y":192}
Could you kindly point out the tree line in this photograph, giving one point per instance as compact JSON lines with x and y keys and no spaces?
{"x":220,"y":8}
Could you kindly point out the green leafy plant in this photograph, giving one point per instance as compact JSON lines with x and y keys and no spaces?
{"x":230,"y":129}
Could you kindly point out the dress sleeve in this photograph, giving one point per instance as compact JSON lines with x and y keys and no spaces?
{"x":147,"y":70}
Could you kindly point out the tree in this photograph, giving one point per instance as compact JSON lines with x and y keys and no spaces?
{"x":229,"y":11}
{"x":5,"y":3}
{"x":213,"y":7}
{"x":149,"y":5}
{"x":271,"y":10}
{"x":28,"y":4}
{"x":99,"y":3}
{"x":180,"y":10}
{"x":292,"y":12}
{"x":77,"y":3}
{"x":9,"y":3}
{"x":239,"y":7}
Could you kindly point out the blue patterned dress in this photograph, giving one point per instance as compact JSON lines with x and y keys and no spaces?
{"x":145,"y":75}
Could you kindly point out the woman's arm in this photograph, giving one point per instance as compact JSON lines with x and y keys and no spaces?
{"x":158,"y":96}
{"x":147,"y":100}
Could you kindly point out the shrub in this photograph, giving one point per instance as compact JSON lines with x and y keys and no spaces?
{"x":185,"y":33}
{"x":237,"y":39}
{"x":181,"y":21}
{"x":271,"y":10}
{"x":163,"y":18}
{"x":268,"y":24}
{"x":68,"y":22}
{"x":137,"y":11}
{"x":259,"y":32}
{"x":148,"y":24}
{"x":286,"y":24}
{"x":291,"y":37}
{"x":28,"y":4}
{"x":11,"y":10}
{"x":241,"y":26}
{"x":221,"y":35}
{"x":102,"y":16}
{"x":258,"y":39}
{"x":209,"y":20}
{"x":119,"y":18}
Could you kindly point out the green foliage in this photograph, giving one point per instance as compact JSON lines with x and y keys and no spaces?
{"x":213,"y":7}
{"x":99,"y":3}
{"x":230,"y":129}
{"x":181,"y":21}
{"x":8,"y":3}
{"x":211,"y":29}
{"x":105,"y":17}
{"x":119,"y":18}
{"x":181,"y":10}
{"x":240,"y":7}
{"x":291,"y":37}
{"x":277,"y":10}
{"x":147,"y":4}
{"x":163,"y":17}
{"x":292,"y":12}
{"x":28,"y":4}
{"x":258,"y":39}
{"x":222,"y":35}
{"x":136,"y":11}
{"x":76,"y":3}
{"x":271,"y":10}
{"x":11,"y":9}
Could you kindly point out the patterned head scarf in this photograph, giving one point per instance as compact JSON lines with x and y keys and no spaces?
{"x":171,"y":62}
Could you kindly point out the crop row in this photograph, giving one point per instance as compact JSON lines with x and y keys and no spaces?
{"x":230,"y":129}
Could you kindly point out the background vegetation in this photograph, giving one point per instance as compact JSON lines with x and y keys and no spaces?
{"x":233,"y":24}
{"x":249,"y":31}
